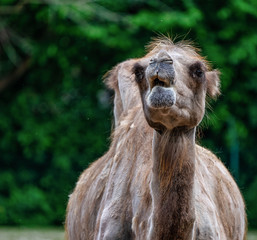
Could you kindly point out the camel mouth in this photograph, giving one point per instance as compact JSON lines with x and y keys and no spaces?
{"x":161,"y":97}
{"x":158,"y":82}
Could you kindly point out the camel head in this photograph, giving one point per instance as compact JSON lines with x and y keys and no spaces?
{"x":173,"y":81}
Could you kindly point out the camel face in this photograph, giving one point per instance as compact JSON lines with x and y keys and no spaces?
{"x":173,"y":87}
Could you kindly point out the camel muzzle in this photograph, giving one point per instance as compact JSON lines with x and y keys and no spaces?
{"x":160,"y":73}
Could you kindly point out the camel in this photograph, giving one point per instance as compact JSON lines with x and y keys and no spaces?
{"x":155,"y":182}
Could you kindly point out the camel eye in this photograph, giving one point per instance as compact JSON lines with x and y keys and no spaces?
{"x":139,"y":72}
{"x":196,"y":71}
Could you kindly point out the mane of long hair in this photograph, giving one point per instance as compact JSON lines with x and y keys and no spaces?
{"x":172,"y":152}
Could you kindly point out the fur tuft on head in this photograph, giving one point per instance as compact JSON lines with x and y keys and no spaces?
{"x":188,"y":46}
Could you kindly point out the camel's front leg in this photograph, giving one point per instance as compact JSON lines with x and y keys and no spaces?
{"x":112,"y":224}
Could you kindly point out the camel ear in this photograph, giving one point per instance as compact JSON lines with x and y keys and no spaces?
{"x":213,"y":83}
{"x":111,"y":78}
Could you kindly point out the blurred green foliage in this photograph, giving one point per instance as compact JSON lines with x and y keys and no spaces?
{"x":55,"y":115}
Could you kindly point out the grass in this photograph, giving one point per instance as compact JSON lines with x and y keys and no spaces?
{"x":31,"y":233}
{"x":52,"y":234}
{"x":252,"y":235}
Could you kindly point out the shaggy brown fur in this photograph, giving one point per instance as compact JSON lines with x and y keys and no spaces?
{"x":155,"y":182}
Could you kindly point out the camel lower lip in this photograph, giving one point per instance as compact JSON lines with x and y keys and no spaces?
{"x":161,"y":97}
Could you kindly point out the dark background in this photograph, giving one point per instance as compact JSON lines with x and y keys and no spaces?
{"x":56,"y":114}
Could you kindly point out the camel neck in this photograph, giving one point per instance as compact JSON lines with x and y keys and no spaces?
{"x":172,"y":184}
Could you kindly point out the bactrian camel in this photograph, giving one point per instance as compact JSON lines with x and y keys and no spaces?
{"x":155,"y":182}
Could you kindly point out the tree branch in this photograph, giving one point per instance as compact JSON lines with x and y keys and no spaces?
{"x":15,"y":75}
